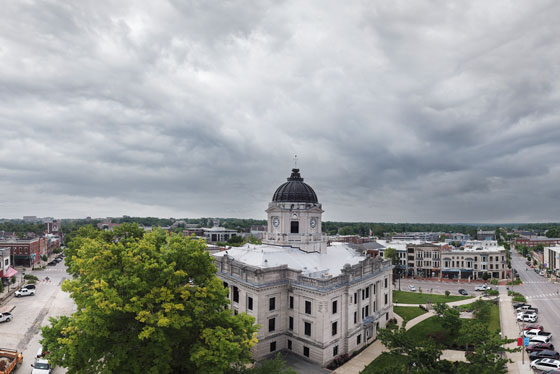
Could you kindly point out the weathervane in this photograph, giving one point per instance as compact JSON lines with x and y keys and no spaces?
{"x":295,"y":162}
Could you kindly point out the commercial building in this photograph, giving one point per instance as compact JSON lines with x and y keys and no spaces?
{"x":552,"y":259}
{"x":317,"y":300}
{"x":536,"y":240}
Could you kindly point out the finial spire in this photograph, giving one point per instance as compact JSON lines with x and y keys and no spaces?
{"x":295,"y":161}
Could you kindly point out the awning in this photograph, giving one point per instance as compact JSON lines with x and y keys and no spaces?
{"x":10,"y":272}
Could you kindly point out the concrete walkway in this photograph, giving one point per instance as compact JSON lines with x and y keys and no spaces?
{"x":511,"y":330}
{"x":374,"y":350}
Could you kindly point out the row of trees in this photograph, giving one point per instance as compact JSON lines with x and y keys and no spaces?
{"x":484,"y":349}
{"x":148,"y":302}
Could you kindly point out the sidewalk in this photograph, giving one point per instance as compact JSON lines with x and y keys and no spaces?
{"x":510,"y":329}
{"x":358,"y":363}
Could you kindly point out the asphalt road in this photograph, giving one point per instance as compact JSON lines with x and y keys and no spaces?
{"x":30,"y":312}
{"x":437,"y":287}
{"x":542,"y":294}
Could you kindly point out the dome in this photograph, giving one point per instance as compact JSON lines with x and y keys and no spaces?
{"x":294,"y":190}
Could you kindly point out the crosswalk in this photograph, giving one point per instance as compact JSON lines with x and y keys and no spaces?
{"x":544,"y":295}
{"x":535,"y":282}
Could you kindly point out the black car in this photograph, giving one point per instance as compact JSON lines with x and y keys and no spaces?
{"x":52,"y":263}
{"x":540,"y":347}
{"x":519,"y":305}
{"x":544,"y":354}
{"x":29,"y":286}
{"x":463,"y":292}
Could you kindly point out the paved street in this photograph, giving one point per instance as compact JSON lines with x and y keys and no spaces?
{"x":439,"y":287}
{"x":31,"y":312}
{"x":542,"y":294}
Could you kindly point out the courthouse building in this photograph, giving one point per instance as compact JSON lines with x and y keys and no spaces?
{"x":314,"y":298}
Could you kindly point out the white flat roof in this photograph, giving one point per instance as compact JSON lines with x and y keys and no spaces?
{"x":314,"y":265}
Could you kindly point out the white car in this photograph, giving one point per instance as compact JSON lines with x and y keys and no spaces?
{"x":411,"y":288}
{"x":484,"y":287}
{"x":540,"y":339}
{"x":545,"y":364}
{"x":25,"y":292}
{"x":527,"y":318}
{"x":41,"y":366}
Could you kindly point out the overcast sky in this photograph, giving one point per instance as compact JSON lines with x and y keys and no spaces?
{"x":399,"y":111}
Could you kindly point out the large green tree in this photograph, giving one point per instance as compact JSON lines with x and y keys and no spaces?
{"x":146,"y":303}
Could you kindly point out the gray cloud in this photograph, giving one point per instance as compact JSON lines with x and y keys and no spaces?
{"x":432,"y":111}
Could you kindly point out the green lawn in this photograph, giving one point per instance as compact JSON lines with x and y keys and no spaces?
{"x":408,"y":312}
{"x":403,"y":297}
{"x":383,"y":361}
{"x":432,"y":325}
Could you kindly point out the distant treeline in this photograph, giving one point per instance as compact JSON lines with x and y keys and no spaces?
{"x":69,"y":227}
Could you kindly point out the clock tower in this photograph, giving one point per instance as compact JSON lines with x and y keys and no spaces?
{"x":294,"y":217}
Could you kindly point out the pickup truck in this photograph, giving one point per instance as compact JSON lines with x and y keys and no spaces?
{"x":24,"y":292}
{"x":41,"y":366}
{"x":5,"y":317}
{"x":527,"y":308}
{"x":484,"y":287}
{"x":536,"y":332}
{"x":10,"y":360}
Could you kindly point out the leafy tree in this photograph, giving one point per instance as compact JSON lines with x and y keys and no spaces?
{"x":481,"y":310}
{"x":451,"y":321}
{"x":153,"y":297}
{"x":486,"y":355}
{"x":440,"y":308}
{"x":447,"y":293}
{"x":485,"y":276}
{"x":417,"y":356}
{"x":235,"y":241}
{"x":254,"y":240}
{"x":277,"y":365}
{"x":391,"y":253}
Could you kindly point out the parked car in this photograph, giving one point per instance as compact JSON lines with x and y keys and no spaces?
{"x":533,"y":326}
{"x":57,"y":260}
{"x":536,"y":332}
{"x":545,"y":364}
{"x":532,"y":318}
{"x":540,"y":347}
{"x":24,"y":292}
{"x":541,"y":272}
{"x":463,"y":292}
{"x":5,"y":317}
{"x":29,"y":286}
{"x":540,"y":339}
{"x":52,"y":263}
{"x":526,"y":313}
{"x":544,"y":354}
{"x":411,"y":288}
{"x":527,"y":307}
{"x":41,"y":366}
{"x":484,"y":287}
{"x":519,"y":305}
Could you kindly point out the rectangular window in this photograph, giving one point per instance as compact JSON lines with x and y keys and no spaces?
{"x":294,"y":227}
{"x":385,"y":282}
{"x":367,"y":310}
{"x":355,"y":317}
{"x":235,"y":312}
{"x":307,"y":307}
{"x":272,"y":346}
{"x":386,"y":299}
{"x":355,"y":298}
{"x":335,"y":350}
{"x":250,"y":303}
{"x":291,"y":323}
{"x":367,"y":292}
{"x":291,"y":302}
{"x":359,"y":339}
{"x":306,"y":351}
{"x":307,"y":329}
{"x":271,"y":324}
{"x":289,"y":344}
{"x":235,"y":294}
{"x":272,"y":303}
{"x":334,"y":328}
{"x":334,"y":307}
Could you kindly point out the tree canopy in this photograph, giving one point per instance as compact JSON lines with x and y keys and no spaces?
{"x":146,"y":302}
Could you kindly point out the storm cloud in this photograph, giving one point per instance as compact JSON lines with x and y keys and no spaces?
{"x":425,"y":111}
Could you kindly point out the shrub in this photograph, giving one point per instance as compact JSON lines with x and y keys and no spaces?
{"x":30,"y":277}
{"x":492,"y":292}
{"x":447,"y":293}
{"x":44,"y":258}
{"x":32,"y":281}
{"x":13,"y":280}
{"x":494,"y":282}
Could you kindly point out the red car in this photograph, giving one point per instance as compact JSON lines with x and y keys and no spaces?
{"x":540,"y":347}
{"x":533,"y":326}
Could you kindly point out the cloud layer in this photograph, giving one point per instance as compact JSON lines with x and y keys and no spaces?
{"x":398,"y":111}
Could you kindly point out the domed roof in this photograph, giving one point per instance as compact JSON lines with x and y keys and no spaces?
{"x":294,"y":190}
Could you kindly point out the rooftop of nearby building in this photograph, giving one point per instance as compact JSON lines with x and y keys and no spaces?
{"x":315,"y":265}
